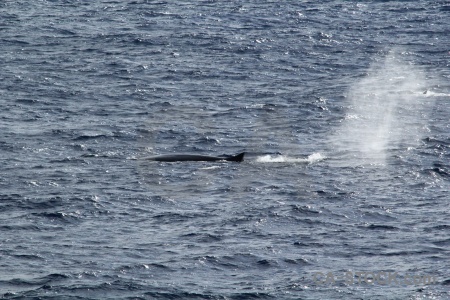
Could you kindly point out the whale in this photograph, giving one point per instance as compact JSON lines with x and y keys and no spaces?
{"x":194,"y":157}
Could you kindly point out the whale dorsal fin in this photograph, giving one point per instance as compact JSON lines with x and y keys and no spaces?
{"x":239,"y":157}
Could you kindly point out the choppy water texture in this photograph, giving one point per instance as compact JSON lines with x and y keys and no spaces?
{"x":341,"y":106}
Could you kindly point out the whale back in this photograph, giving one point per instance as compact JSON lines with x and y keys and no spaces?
{"x":193,"y":157}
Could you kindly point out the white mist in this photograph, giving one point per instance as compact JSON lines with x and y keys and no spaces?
{"x":387,"y":111}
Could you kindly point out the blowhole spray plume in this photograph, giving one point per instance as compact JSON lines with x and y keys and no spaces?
{"x":387,"y":111}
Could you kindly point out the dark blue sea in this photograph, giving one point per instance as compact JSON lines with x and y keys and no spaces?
{"x":342,"y":109}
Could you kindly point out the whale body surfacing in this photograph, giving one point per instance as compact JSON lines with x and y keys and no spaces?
{"x":194,"y":157}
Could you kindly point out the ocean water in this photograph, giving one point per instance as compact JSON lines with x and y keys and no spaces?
{"x":341,"y":107}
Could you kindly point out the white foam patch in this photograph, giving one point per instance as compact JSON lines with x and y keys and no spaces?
{"x":315,"y":157}
{"x":434,"y":94}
